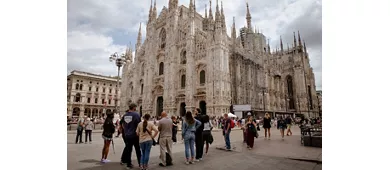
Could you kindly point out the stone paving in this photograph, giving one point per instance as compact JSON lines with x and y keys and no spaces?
{"x":266,"y":155}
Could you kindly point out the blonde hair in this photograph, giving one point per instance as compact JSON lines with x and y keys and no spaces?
{"x":267,"y":115}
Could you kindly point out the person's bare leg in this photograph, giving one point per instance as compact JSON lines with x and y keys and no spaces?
{"x":265,"y":133}
{"x":104,"y":148}
{"x":207,"y":148}
{"x":269,"y":132}
{"x":107,"y":149}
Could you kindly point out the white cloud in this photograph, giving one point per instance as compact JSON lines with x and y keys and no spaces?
{"x":88,"y":51}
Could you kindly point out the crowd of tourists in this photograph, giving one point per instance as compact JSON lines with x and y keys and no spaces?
{"x":196,"y":128}
{"x":140,"y":134}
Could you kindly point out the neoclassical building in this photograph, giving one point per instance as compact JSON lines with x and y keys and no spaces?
{"x":188,"y":60}
{"x":90,"y":94}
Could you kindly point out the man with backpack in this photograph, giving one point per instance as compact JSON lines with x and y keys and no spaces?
{"x":199,"y":136}
{"x":228,"y":124}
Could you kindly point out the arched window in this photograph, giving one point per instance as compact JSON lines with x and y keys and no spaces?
{"x":77,"y":86}
{"x":290,"y":92}
{"x":161,"y":69}
{"x":142,"y":88}
{"x":183,"y":81}
{"x":81,"y":87}
{"x":202,"y":77}
{"x":163,"y":36}
{"x":78,"y":97}
{"x":183,"y":58}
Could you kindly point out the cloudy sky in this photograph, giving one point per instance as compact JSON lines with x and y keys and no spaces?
{"x":98,"y":28}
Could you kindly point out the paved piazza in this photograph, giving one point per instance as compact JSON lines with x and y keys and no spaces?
{"x":273,"y":154}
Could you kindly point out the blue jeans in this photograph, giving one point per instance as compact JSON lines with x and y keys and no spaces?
{"x":227,"y":139}
{"x":145,"y":149}
{"x":189,"y":142}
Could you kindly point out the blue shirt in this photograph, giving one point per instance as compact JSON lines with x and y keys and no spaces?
{"x":130,"y":122}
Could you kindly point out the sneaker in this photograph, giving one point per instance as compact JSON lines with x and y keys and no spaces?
{"x":269,"y":138}
{"x":187,"y":162}
{"x":201,"y":159}
{"x":161,"y":164}
{"x":102,"y":161}
{"x":197,"y":160}
{"x":106,"y":161}
{"x":174,"y":143}
{"x":191,"y":162}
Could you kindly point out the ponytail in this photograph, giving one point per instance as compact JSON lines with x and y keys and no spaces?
{"x":145,"y":122}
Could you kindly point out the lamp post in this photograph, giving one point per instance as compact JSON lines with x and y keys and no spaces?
{"x":119,"y":62}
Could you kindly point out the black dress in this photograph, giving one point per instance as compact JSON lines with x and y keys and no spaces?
{"x":267,"y":123}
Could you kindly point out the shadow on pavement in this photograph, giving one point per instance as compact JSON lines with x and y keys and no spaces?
{"x":90,"y":161}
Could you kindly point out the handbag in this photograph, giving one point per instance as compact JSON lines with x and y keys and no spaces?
{"x":154,"y":142}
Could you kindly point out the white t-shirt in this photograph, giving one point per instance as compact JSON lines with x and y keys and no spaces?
{"x":243,"y":121}
{"x":207,"y":126}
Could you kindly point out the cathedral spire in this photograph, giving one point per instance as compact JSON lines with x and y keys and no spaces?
{"x":129,"y":53}
{"x":281,"y":44}
{"x":269,"y":48}
{"x":205,"y":11}
{"x":191,"y":6}
{"x":150,"y":11}
{"x":154,"y":10}
{"x":223,"y":17}
{"x":248,"y":17}
{"x":217,"y":14}
{"x":195,"y":6}
{"x":295,"y":42}
{"x":211,"y":12}
{"x":299,"y":39}
{"x":139,"y":39}
{"x":233,"y":35}
{"x":304,"y":46}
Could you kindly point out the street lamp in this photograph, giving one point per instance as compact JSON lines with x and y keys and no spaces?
{"x":119,"y":62}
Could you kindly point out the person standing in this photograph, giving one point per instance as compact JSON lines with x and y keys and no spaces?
{"x":207,"y":136}
{"x":80,"y":127}
{"x":144,"y":131}
{"x":174,"y":129}
{"x":130,"y":123}
{"x":88,"y":130}
{"x":226,"y":131}
{"x":125,"y":154}
{"x":199,"y":136}
{"x":165,"y":141}
{"x":289,"y":122}
{"x":188,"y":134}
{"x":267,"y":126}
{"x":108,"y":130}
{"x":251,"y":132}
{"x":281,"y":124}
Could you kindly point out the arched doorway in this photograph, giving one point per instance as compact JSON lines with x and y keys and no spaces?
{"x":76,"y":112}
{"x":182,"y":109}
{"x":202,"y":106}
{"x":95,"y":112}
{"x":159,"y":107}
{"x":87,"y":112}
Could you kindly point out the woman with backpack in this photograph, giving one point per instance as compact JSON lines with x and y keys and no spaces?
{"x":281,"y":125}
{"x":207,"y":136}
{"x":188,"y":134}
{"x":108,"y":131}
{"x":251,"y":132}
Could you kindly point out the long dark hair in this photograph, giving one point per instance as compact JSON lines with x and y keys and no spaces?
{"x":189,"y":118}
{"x":145,"y":122}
